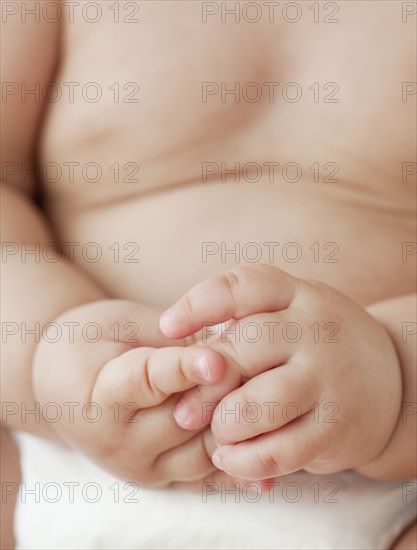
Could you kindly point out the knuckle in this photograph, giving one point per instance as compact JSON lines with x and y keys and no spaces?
{"x":238,"y":281}
{"x":248,"y":405}
{"x":248,"y":275}
{"x":232,"y":282}
{"x":142,"y":384}
{"x":180,"y":368}
{"x":188,"y":305}
{"x":267,"y":464}
{"x":232,"y":278}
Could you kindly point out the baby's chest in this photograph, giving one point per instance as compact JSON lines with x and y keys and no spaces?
{"x":158,"y":94}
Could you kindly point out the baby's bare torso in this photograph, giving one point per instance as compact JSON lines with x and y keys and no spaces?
{"x":336,"y":203}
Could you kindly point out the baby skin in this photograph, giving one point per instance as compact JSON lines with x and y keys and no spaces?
{"x":324,"y":382}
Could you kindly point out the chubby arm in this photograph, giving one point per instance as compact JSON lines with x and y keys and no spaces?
{"x":31,"y":291}
{"x":33,"y":294}
{"x":398,"y":460}
{"x":132,"y":388}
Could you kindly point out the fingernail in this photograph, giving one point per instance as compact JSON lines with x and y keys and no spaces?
{"x":202,"y":367}
{"x":217,"y":461}
{"x":181,"y":412}
{"x":165,"y":319}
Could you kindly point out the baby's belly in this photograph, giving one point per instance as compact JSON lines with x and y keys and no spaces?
{"x":335,"y":209}
{"x":154,"y":247}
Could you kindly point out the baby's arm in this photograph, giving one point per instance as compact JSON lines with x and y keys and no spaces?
{"x":398,"y":460}
{"x":31,"y":292}
{"x":36,"y":292}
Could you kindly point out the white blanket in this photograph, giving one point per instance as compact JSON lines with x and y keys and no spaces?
{"x":73,"y":504}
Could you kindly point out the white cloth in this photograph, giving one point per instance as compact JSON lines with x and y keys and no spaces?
{"x":340,"y":511}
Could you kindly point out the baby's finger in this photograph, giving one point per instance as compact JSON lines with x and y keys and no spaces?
{"x":239,"y":292}
{"x":245,"y":356}
{"x":196,"y":407}
{"x":147,"y":376}
{"x":259,"y":342}
{"x":274,"y":454}
{"x":189,"y":466}
{"x":190,"y":461}
{"x":264,"y":404}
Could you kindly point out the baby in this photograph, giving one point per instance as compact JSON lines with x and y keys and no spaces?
{"x":253,"y":164}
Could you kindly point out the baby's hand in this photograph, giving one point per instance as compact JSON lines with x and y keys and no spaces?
{"x":116,"y":397}
{"x":323,"y":389}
